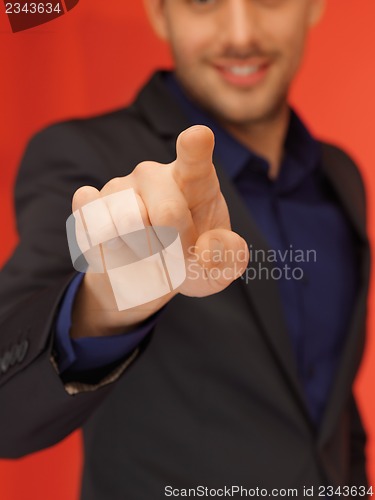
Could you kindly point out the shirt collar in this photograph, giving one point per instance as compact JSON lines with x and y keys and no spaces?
{"x":302,"y":151}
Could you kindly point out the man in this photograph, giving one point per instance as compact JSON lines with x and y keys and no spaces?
{"x":249,"y":385}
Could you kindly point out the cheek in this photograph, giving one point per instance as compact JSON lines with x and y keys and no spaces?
{"x":191,"y":41}
{"x":286,"y":28}
{"x":296,"y":46}
{"x":186,"y":49}
{"x":289,"y":41}
{"x":294,"y":32}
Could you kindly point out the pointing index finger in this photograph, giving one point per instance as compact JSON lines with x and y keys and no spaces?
{"x":194,"y":155}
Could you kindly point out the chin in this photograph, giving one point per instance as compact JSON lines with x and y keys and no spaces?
{"x":240,"y":114}
{"x":238,"y":107}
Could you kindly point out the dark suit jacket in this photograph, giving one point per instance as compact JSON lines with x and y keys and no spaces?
{"x":213,"y":397}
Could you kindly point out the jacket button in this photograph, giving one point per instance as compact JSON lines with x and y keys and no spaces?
{"x":22,"y":350}
{"x":5,"y":362}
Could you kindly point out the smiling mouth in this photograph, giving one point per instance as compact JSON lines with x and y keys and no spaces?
{"x":243,"y":75}
{"x":242,"y":70}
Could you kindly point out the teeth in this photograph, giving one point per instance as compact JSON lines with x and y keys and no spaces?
{"x":243,"y":70}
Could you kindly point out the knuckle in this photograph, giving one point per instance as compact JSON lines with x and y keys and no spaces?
{"x":115,"y":184}
{"x":82,"y":196}
{"x":145,"y":168}
{"x":171,"y":210}
{"x":80,"y":191}
{"x":125,"y":213}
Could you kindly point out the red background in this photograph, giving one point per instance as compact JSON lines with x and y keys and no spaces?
{"x":93,"y":59}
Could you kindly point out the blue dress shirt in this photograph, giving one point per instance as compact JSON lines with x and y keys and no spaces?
{"x":303,"y":223}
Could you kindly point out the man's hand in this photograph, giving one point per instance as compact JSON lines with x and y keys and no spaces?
{"x":184,"y":195}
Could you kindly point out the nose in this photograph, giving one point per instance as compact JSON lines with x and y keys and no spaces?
{"x":241,"y":24}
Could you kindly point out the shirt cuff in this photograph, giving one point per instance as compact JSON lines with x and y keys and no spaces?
{"x":91,"y":353}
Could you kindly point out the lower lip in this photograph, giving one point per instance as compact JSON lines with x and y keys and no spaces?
{"x":244,"y":80}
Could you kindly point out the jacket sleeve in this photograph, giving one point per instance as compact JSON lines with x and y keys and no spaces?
{"x":37,"y":410}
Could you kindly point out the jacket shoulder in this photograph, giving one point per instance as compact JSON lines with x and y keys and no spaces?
{"x":113,"y":142}
{"x":105,"y":126}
